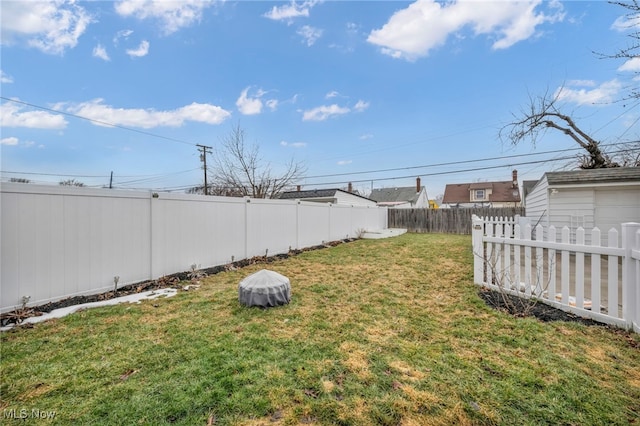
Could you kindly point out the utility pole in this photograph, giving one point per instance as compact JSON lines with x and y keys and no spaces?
{"x":204,"y":150}
{"x":111,"y":181}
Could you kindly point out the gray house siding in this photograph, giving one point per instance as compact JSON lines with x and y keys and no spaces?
{"x":603,"y":198}
{"x":573,"y":208}
{"x":537,"y":204}
{"x":614,"y":207}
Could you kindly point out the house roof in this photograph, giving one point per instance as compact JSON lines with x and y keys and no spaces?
{"x":316,"y":193}
{"x":617,"y":174}
{"x":400,"y":195}
{"x":501,"y":192}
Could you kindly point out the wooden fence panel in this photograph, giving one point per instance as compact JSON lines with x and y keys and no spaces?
{"x":448,"y":221}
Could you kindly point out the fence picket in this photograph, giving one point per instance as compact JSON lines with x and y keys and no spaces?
{"x":551,"y":294}
{"x":596,"y":241}
{"x":580,"y":269}
{"x":612,"y":307}
{"x":564,"y":271}
{"x":527,"y":261}
{"x":539,"y":263}
{"x":507,"y":276}
{"x":490,"y":231}
{"x":516,"y":259}
{"x":500,"y":280}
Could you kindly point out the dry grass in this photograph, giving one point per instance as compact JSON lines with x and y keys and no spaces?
{"x":378,"y":332}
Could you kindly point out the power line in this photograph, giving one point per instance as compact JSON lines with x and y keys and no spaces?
{"x":104,"y":123}
{"x":52,"y":174}
{"x":451,"y":163}
{"x":475,"y":169}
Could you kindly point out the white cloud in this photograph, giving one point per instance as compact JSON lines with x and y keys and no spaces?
{"x":293,"y":144}
{"x":272,"y":104}
{"x":247,"y":105}
{"x":289,"y":11}
{"x":344,"y":162}
{"x":585,"y":83}
{"x":607,"y":92}
{"x":5,"y":78}
{"x":140,"y":51}
{"x":366,"y":136}
{"x":331,"y":94}
{"x":12,"y":115}
{"x":51,"y":26}
{"x":148,"y":118}
{"x":324,"y":112}
{"x":100,"y":52}
{"x":632,"y":65}
{"x":173,"y":15}
{"x":426,"y":24}
{"x":310,"y":34}
{"x":626,"y":22}
{"x":11,"y":141}
{"x":121,"y":34}
{"x":361,"y":106}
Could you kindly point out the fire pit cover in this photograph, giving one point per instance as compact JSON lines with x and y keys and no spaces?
{"x":265,"y":289}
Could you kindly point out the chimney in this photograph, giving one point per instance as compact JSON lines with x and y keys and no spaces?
{"x":418,"y":187}
{"x":515,"y":178}
{"x":298,"y":188}
{"x":350,"y":188}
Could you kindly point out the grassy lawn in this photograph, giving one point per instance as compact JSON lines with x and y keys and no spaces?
{"x":378,"y":332}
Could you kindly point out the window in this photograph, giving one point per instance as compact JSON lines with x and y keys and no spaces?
{"x":479,"y":194}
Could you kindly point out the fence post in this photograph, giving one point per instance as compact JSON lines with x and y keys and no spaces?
{"x":477,"y":232}
{"x":630,"y":278}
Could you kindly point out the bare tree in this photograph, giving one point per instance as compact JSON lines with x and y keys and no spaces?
{"x":630,"y":156}
{"x":541,"y":114}
{"x":214,"y":189}
{"x":70,"y":182}
{"x":239,"y":168}
{"x":632,"y":51}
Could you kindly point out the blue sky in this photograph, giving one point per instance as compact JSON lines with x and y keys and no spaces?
{"x":349,"y":88}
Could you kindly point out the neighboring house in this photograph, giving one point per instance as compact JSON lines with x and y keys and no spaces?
{"x":483,"y":194}
{"x":334,"y":195}
{"x":603,"y":198}
{"x":408,"y":197}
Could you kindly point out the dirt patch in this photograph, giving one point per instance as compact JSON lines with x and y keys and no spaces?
{"x":521,"y":307}
{"x":169,"y":281}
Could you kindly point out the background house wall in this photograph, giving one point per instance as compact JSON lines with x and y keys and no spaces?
{"x":59,"y":242}
{"x":352,"y":200}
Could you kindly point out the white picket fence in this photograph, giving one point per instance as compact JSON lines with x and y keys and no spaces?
{"x":592,"y":281}
{"x":59,"y":241}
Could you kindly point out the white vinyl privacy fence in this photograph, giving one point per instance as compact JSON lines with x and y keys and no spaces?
{"x":58,"y":242}
{"x":594,"y":280}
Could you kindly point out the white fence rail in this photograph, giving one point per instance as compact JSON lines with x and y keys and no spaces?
{"x":58,"y":242}
{"x":592,"y":281}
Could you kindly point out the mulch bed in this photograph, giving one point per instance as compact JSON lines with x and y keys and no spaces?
{"x":521,"y":307}
{"x":169,"y":281}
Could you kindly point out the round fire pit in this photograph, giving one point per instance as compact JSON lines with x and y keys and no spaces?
{"x":265,"y":289}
